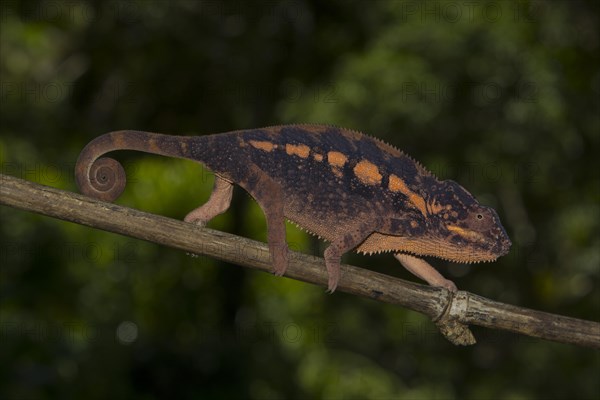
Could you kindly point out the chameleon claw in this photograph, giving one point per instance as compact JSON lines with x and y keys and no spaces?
{"x":448,"y":284}
{"x":332,"y":284}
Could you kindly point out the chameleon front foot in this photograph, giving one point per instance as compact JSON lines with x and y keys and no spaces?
{"x":425,"y":271}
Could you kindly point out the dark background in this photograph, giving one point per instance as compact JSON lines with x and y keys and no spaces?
{"x":501,"y":96}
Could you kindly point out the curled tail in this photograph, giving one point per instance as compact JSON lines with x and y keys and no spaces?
{"x":104,"y":178}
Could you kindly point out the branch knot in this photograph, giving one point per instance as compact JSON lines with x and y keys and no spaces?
{"x":448,"y":322}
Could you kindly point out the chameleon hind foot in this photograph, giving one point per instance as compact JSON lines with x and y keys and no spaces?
{"x":218,"y":203}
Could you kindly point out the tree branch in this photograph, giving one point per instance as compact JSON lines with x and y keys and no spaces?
{"x":452,"y":313}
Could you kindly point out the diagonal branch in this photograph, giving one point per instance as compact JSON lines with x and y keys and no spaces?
{"x":451,"y":313}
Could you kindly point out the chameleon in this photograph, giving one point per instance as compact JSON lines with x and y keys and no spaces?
{"x":350,"y":189}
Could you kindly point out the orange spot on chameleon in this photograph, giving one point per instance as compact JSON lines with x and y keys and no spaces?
{"x":466,"y":233}
{"x":262,"y":145}
{"x":367,"y":173}
{"x":336,"y":159}
{"x":337,"y":172}
{"x":397,"y":185}
{"x":300,"y":150}
{"x":435,"y":207}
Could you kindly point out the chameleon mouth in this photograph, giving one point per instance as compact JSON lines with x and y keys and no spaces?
{"x":379,"y":243}
{"x":473,"y":259}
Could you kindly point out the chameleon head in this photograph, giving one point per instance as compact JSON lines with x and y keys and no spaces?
{"x":464,"y":230}
{"x":448,"y":223}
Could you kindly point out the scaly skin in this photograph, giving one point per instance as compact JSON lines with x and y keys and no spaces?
{"x":346,"y":187}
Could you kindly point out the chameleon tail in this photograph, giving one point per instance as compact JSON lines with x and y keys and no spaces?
{"x":104,"y":178}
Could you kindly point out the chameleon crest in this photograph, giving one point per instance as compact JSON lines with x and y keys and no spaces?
{"x":348,"y":188}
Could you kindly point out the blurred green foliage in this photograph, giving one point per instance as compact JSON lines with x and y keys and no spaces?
{"x":501,"y":96}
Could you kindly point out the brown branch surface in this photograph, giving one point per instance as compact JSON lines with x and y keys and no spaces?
{"x":451,"y":313}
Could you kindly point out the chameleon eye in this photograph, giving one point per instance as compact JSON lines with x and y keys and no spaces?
{"x":479,"y":216}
